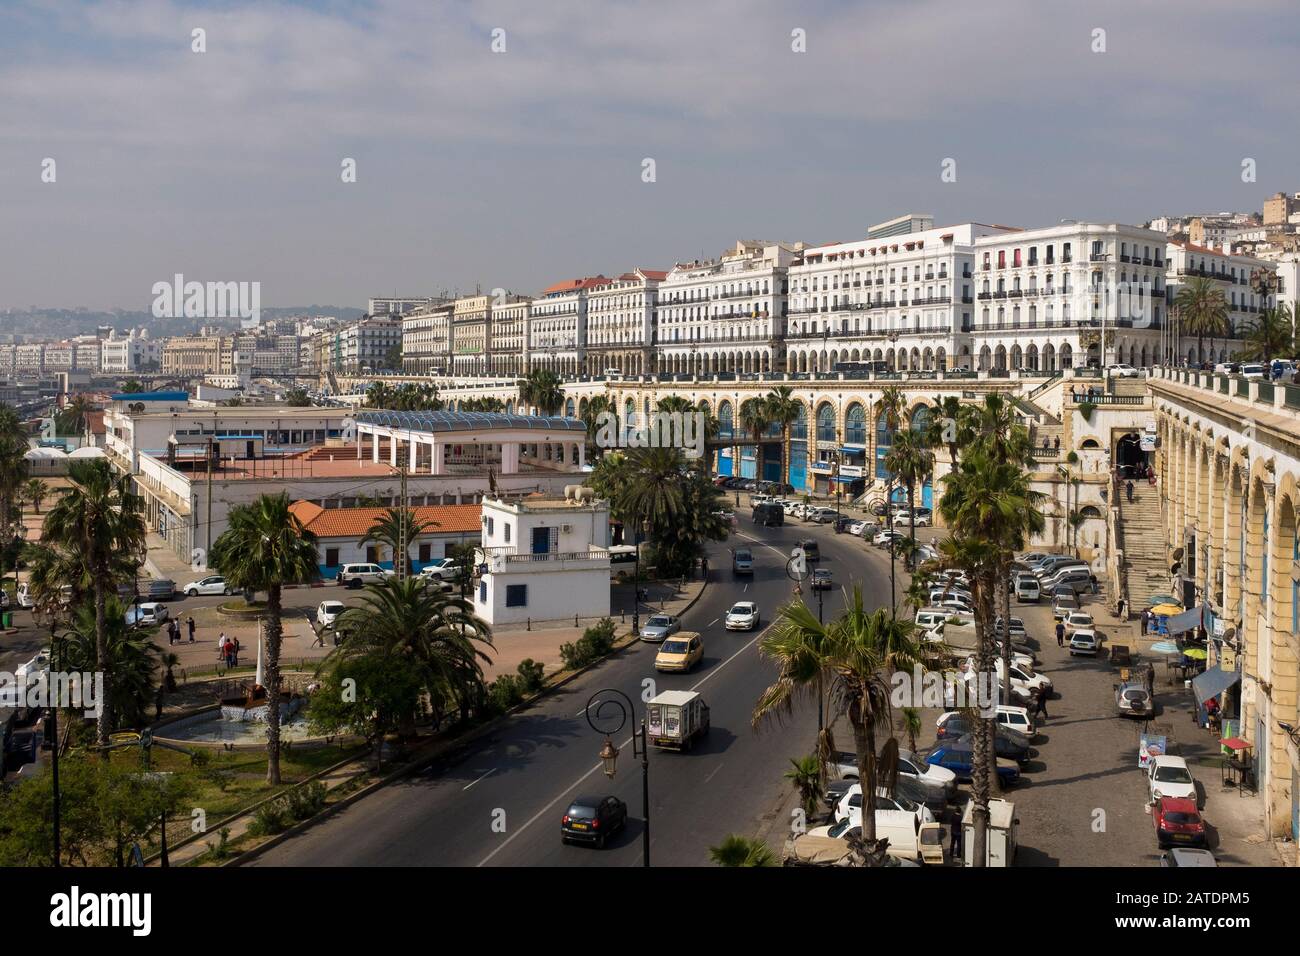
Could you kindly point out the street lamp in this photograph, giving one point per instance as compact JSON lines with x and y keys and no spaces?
{"x":604,"y":707}
{"x":56,"y":647}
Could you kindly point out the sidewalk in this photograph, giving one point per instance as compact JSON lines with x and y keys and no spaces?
{"x":210,"y":624}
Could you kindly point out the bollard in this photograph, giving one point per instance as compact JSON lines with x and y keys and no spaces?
{"x":622,"y":616}
{"x":575,"y":620}
{"x":530,"y":624}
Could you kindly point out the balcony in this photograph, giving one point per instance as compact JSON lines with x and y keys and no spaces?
{"x":1099,"y":257}
{"x":511,"y":560}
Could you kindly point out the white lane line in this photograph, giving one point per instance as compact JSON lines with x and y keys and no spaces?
{"x":573,"y":786}
{"x":714,"y":621}
{"x":712,"y":775}
{"x":477,"y":779}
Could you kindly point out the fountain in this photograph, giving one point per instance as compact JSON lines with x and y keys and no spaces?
{"x":253,"y":706}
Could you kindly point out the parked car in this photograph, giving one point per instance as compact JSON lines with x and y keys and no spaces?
{"x":850,"y":806}
{"x":159,"y":589}
{"x":855,"y":527}
{"x":1078,"y":620}
{"x":592,"y":819}
{"x":910,"y":767}
{"x":680,"y":653}
{"x":1017,"y":630}
{"x":1121,"y":371}
{"x":29,"y":670}
{"x":1180,"y":857}
{"x":820,"y":515}
{"x":1168,"y":776}
{"x":212,"y":584}
{"x":1008,"y":715}
{"x":882,"y":538}
{"x":151,"y":613}
{"x":905,"y":520}
{"x":956,"y":726}
{"x":327,"y":612}
{"x":743,"y":616}
{"x":1027,"y":588}
{"x":960,"y":758}
{"x":1132,"y":700}
{"x":1063,"y":605}
{"x":443,"y":569}
{"x":659,"y":627}
{"x":1177,"y":821}
{"x":1004,"y":747}
{"x":1254,"y":370}
{"x":355,"y":575}
{"x":1083,"y":641}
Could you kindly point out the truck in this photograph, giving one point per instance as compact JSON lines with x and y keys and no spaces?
{"x":675,"y":718}
{"x":1003,"y":834}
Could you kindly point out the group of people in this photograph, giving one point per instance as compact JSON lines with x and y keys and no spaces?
{"x":228,"y":650}
{"x":174,"y":629}
{"x":1091,"y":393}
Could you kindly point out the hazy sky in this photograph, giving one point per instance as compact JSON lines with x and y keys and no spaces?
{"x":521,"y":168}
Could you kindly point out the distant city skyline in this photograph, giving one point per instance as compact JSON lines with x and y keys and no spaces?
{"x":525,"y":167}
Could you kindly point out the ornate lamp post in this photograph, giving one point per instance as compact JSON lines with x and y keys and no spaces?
{"x":603,"y":709}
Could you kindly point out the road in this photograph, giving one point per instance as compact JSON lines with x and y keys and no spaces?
{"x":499,"y":801}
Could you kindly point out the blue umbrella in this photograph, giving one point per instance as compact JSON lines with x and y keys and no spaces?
{"x":1165,"y":647}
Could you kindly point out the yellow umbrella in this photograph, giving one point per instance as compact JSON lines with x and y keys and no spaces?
{"x":1166,"y":609}
{"x":1195,"y":653}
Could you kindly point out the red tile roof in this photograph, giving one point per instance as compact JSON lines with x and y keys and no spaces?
{"x":355,"y":522}
{"x":572,"y":285}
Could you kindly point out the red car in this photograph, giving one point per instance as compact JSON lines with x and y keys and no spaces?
{"x":1178,"y":822}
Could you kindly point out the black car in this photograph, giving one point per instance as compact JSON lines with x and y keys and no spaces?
{"x":592,"y":819}
{"x":1003,"y":746}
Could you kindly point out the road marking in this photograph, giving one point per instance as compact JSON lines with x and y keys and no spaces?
{"x":569,"y":789}
{"x":712,"y":775}
{"x":714,"y":621}
{"x":477,"y":779}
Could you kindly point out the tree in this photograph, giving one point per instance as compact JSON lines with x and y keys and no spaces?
{"x":1203,"y":310}
{"x":742,"y":851}
{"x":436,"y":636}
{"x":542,"y":389}
{"x":592,"y":415}
{"x":383,"y":691}
{"x":265,"y":548}
{"x":297,"y":397}
{"x":74,"y":418}
{"x":851,"y":660}
{"x":36,"y":491}
{"x":131,"y":665}
{"x":1271,"y":336}
{"x":395,"y":529}
{"x":98,"y":521}
{"x":14,"y":467}
{"x":754,"y":421}
{"x":911,"y":726}
{"x":911,"y":462}
{"x":660,"y":491}
{"x":783,"y":410}
{"x":943,"y":425}
{"x":807,"y":775}
{"x":132,"y":386}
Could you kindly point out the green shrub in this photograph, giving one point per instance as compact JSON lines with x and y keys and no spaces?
{"x":531,"y":675}
{"x":504,"y":692}
{"x":1086,"y":409}
{"x":305,"y":801}
{"x":270,"y":818}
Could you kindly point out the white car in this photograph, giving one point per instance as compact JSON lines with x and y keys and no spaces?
{"x":905,"y":521}
{"x":1083,"y":641}
{"x":1078,"y":620}
{"x":882,"y":538}
{"x":855,"y":528}
{"x":213,"y":584}
{"x":850,"y":807}
{"x":820,"y":515}
{"x":1121,"y":371}
{"x":443,"y":569}
{"x":1008,"y":715}
{"x":358,"y":574}
{"x":327,"y":612}
{"x":1254,"y":371}
{"x":909,"y":765}
{"x":743,"y":616}
{"x":37,"y":665}
{"x":149,"y":614}
{"x":24,"y":594}
{"x":1169,"y":777}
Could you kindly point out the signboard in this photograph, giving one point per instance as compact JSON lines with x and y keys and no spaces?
{"x":851,"y":471}
{"x":1147,"y":442}
{"x":1149,"y":747}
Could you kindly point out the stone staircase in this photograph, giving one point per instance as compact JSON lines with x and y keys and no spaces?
{"x":1146,"y":567}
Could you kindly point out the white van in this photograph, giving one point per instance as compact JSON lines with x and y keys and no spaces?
{"x":928,"y":618}
{"x":358,"y":574}
{"x":1027,"y":588}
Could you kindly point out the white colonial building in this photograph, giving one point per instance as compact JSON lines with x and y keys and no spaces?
{"x":1236,"y":277}
{"x":557,"y":328}
{"x":543,"y":559}
{"x":621,"y":323}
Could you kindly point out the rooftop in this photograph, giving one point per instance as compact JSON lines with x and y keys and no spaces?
{"x":468,"y":421}
{"x":355,"y":522}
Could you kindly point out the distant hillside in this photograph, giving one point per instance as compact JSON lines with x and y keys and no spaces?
{"x":61,"y":323}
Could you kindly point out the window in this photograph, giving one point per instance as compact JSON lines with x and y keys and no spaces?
{"x":331,"y":557}
{"x":372,"y":554}
{"x":491,"y":525}
{"x":482,"y":592}
{"x":516,"y":595}
{"x":505,"y":530}
{"x":426,"y":553}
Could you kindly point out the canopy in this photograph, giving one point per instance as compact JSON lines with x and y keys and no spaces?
{"x":1155,"y":599}
{"x":1164,"y":647}
{"x":1212,"y":683}
{"x":1235,"y":743}
{"x":1186,"y":620}
{"x":1167,"y":609}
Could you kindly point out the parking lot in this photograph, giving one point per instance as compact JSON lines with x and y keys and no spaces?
{"x":1082,"y":799}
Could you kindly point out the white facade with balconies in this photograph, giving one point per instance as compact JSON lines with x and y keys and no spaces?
{"x":621,"y":323}
{"x":1238,"y":278}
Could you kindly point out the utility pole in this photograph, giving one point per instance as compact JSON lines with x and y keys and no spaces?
{"x":209,"y":504}
{"x":402,"y":530}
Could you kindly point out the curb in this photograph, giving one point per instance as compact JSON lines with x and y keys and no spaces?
{"x":438,"y":751}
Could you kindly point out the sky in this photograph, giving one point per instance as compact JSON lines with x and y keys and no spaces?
{"x":519,"y":168}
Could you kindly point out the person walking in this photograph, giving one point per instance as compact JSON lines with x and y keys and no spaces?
{"x":1060,"y":633}
{"x":234,"y":652}
{"x":955,"y":837}
{"x":1146,"y":619}
{"x":189,"y":623}
{"x":1040,"y":707}
{"x":1056,"y":443}
{"x":1129,"y":489}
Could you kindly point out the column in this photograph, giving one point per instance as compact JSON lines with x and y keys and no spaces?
{"x":582,"y":455}
{"x":439,"y":458}
{"x":414,"y":454}
{"x":392,"y":449}
{"x":509,"y":457}
{"x":374,"y":447}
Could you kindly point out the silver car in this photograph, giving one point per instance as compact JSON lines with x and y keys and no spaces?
{"x":659,"y":628}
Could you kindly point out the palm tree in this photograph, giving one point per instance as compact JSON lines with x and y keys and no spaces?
{"x":14,"y":468}
{"x":395,"y":529}
{"x":132,"y":660}
{"x":1203,"y":310}
{"x":76,"y":415}
{"x":297,"y":397}
{"x":911,"y":725}
{"x":36,"y":491}
{"x":852,"y":658}
{"x":1272,"y":335}
{"x":98,"y":520}
{"x":542,"y":389}
{"x":911,"y":462}
{"x":808,"y":775}
{"x":652,"y":494}
{"x":379,"y":395}
{"x":265,"y":548}
{"x":783,"y":410}
{"x":755,"y":422}
{"x":943,"y":425}
{"x":742,"y":851}
{"x":436,"y":633}
{"x":593,"y":416}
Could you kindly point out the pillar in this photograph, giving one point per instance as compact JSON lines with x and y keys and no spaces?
{"x":509,"y":457}
{"x":438,"y":462}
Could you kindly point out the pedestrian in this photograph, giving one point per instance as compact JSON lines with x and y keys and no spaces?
{"x":1145,"y":620}
{"x":1060,"y":633}
{"x":234,"y":652}
{"x":1056,"y":443}
{"x":1041,"y":706}
{"x":1151,"y":679}
{"x":1129,"y":489}
{"x":171,"y":633}
{"x":222,"y":651}
{"x":1120,"y":613}
{"x":955,"y":837}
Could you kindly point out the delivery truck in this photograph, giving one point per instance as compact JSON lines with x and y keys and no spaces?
{"x":675,"y":718}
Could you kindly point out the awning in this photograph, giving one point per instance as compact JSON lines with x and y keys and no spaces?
{"x":1186,"y":621}
{"x":846,"y":479}
{"x":1212,"y":683}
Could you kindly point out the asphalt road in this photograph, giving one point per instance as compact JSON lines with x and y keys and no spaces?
{"x":499,"y":801}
